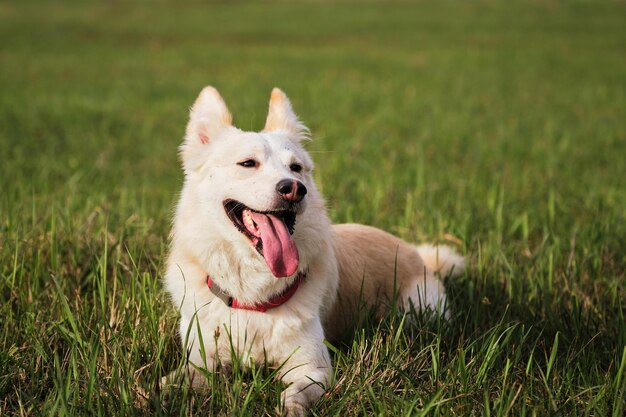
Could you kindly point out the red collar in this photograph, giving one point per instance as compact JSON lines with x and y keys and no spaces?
{"x":273,"y":302}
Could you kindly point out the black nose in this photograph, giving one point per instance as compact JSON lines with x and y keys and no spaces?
{"x":291,"y":190}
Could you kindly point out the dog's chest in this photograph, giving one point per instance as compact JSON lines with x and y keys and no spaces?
{"x":246,"y":334}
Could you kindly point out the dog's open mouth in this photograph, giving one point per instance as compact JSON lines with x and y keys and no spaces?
{"x":270,"y":233}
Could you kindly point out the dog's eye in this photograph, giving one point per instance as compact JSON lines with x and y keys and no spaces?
{"x":295,"y":167}
{"x":248,"y":163}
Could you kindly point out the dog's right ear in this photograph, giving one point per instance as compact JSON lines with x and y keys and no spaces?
{"x":207,"y":117}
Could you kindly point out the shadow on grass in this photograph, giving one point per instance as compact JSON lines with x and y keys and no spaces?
{"x":582,"y":330}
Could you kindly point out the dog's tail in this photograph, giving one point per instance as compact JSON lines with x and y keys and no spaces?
{"x":442,"y":259}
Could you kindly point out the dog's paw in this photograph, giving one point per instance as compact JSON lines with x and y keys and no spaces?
{"x":178,"y":378}
{"x":297,"y":398}
{"x":294,"y":409}
{"x":173,"y":380}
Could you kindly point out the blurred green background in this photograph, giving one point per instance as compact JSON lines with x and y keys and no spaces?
{"x":498,"y":127}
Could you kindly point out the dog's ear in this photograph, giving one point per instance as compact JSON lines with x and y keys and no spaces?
{"x":281,"y":117}
{"x":207,"y":117}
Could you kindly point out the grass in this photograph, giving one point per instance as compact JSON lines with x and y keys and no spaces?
{"x":498,"y":127}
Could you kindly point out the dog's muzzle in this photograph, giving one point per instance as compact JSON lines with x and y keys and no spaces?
{"x":270,"y":234}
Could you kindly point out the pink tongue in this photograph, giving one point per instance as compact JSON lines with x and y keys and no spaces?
{"x":279,"y":251}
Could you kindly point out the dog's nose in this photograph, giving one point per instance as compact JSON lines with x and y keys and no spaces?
{"x":291,"y":190}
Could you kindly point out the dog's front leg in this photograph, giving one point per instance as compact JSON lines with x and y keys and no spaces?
{"x":307,"y":370}
{"x":200,"y":343}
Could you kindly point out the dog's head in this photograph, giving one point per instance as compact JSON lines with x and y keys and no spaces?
{"x":254,"y":186}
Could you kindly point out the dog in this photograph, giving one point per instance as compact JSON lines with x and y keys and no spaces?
{"x":256,"y":266}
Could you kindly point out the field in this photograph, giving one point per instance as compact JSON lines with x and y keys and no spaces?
{"x":495,"y":127}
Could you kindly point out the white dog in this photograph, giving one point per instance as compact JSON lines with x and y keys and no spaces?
{"x":256,"y":265}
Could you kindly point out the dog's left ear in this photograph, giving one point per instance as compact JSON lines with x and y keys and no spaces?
{"x":281,"y":117}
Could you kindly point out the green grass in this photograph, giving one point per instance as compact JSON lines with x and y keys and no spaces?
{"x":496,"y":126}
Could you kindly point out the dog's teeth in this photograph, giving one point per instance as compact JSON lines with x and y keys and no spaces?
{"x":247,"y":218}
{"x":249,"y":223}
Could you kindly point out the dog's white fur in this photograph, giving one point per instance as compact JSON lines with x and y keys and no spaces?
{"x":345,"y":265}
